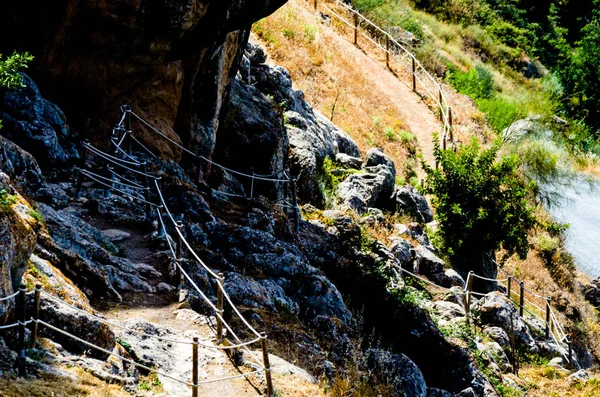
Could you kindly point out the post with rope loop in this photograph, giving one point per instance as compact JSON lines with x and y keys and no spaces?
{"x":521,"y":298}
{"x":547,"y":317}
{"x":508,"y":287}
{"x":316,"y":5}
{"x":127,"y":109}
{"x":107,"y":191}
{"x":22,"y":314}
{"x":355,"y":29}
{"x":414,"y":74}
{"x":178,"y":254}
{"x":265,"y":352}
{"x":469,"y":290}
{"x":147,"y":191}
{"x":450,"y":124}
{"x":81,"y":167}
{"x":36,"y":314}
{"x":195,"y":367}
{"x":295,"y":205}
{"x":387,"y":51}
{"x":441,"y":106}
{"x":220,"y":281}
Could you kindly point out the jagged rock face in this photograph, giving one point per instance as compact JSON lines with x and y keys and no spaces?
{"x":17,"y":240}
{"x":172,"y":60}
{"x":36,"y":125}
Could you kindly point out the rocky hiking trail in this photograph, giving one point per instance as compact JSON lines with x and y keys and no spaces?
{"x":158,"y":312}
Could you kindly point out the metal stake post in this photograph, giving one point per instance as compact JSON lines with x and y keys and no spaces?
{"x":22,"y":303}
{"x":263,"y":341}
{"x":195,"y":367}
{"x":220,"y":307}
{"x":36,"y":314}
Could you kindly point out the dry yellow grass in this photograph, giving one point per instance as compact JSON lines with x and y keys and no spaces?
{"x":551,"y":382}
{"x":86,"y":385}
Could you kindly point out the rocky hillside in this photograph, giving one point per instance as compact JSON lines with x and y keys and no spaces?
{"x":333,"y":298}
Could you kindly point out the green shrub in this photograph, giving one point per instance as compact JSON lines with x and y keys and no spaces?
{"x":6,"y":200}
{"x":478,"y":83}
{"x":500,"y":112}
{"x":482,"y":203}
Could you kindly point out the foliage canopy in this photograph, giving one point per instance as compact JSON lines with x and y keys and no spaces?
{"x":482,"y":202}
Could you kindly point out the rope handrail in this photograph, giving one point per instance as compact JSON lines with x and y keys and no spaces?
{"x":9,"y":326}
{"x":87,"y":174}
{"x":495,"y":280}
{"x":202,"y":157}
{"x":424,"y":279}
{"x":108,"y":180}
{"x":441,"y":102}
{"x":9,"y":297}
{"x":150,"y":152}
{"x":217,"y":312}
{"x":123,"y":178}
{"x":108,"y":158}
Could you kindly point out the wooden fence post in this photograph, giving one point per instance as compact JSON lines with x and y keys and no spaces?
{"x":469,"y":288}
{"x":128,"y":127}
{"x":195,"y":367}
{"x":522,"y":298}
{"x":22,"y":314}
{"x":220,"y":307}
{"x":441,"y":105}
{"x":467,"y":308}
{"x":36,"y":314}
{"x":316,"y":5}
{"x":414,"y":74}
{"x":179,"y":254}
{"x":269,"y":380}
{"x":571,"y":363}
{"x":295,"y":205}
{"x":508,"y":287}
{"x":252,"y":185}
{"x":355,"y":29}
{"x":387,"y":51}
{"x":547,"y":318}
{"x":450,"y":124}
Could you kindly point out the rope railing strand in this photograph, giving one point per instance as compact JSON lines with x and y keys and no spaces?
{"x":9,"y":297}
{"x":9,"y":326}
{"x":107,"y":157}
{"x":87,"y":174}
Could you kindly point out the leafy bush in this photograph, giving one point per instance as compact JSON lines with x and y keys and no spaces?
{"x":9,"y":69}
{"x":482,"y":203}
{"x":6,"y":200}
{"x":500,"y":112}
{"x":478,"y":83}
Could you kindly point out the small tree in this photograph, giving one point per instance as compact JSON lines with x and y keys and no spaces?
{"x":482,"y":204}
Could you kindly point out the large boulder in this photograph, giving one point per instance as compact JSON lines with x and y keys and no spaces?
{"x":496,"y":309}
{"x":20,"y":166}
{"x":252,"y":137}
{"x":409,"y":201}
{"x":398,"y":371}
{"x":36,"y":125}
{"x":86,"y":256}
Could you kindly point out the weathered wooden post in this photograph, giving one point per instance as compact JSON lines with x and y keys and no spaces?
{"x":316,"y":5}
{"x":355,"y":28}
{"x":450,"y":124}
{"x":220,"y":310}
{"x":269,"y":380}
{"x":295,"y":205}
{"x":469,"y":288}
{"x":36,"y":314}
{"x":147,"y":191}
{"x":441,"y":106}
{"x":178,"y":253}
{"x":521,"y":298}
{"x":195,"y":367}
{"x":547,"y":318}
{"x":128,"y":127}
{"x":467,"y":308}
{"x":508,"y":287}
{"x":22,"y":314}
{"x":571,"y":363}
{"x":414,"y":74}
{"x":387,"y":51}
{"x":81,"y":167}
